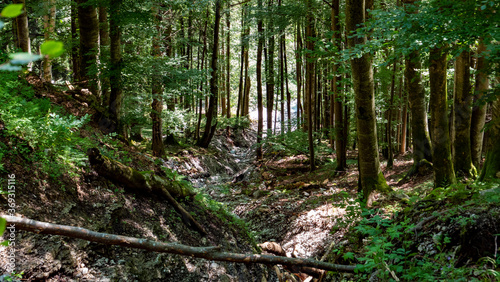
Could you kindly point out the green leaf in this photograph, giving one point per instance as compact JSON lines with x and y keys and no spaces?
{"x":12,"y":10}
{"x":52,"y":48}
{"x":5,"y":243}
{"x":1,"y":24}
{"x":483,"y":7}
{"x":23,"y":58}
{"x":3,"y":225}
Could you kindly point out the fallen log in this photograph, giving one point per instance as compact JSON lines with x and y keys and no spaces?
{"x":210,"y":252}
{"x":144,"y":183}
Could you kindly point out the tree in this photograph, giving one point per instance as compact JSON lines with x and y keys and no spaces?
{"x":444,"y":175}
{"x":157,"y":93}
{"x":370,"y":175}
{"x":260,"y":106}
{"x":491,"y":167}
{"x":49,"y":24}
{"x":462,"y":121}
{"x":89,"y":44}
{"x":479,"y":110}
{"x":211,"y":119}
{"x":23,"y":35}
{"x":309,"y":83}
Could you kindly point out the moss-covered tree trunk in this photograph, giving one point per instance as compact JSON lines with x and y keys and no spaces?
{"x":462,"y":121}
{"x":89,"y":44}
{"x":370,"y":175}
{"x":479,"y":111}
{"x":444,"y":175}
{"x":491,"y":167}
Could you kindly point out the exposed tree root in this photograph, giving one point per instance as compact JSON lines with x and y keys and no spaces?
{"x":210,"y":252}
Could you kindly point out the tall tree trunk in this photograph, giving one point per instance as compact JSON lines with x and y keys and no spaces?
{"x":89,"y":44}
{"x":157,"y":93}
{"x":23,"y":33}
{"x":270,"y":72}
{"x":282,"y":81}
{"x":463,"y":112}
{"x":298,"y":67}
{"x":390,"y":155}
{"x":444,"y":175}
{"x":228,"y":59}
{"x":116,"y":65}
{"x":416,"y":98}
{"x":309,"y":86}
{"x":49,"y":25}
{"x":211,"y":122}
{"x":479,"y":111}
{"x":104,"y":40}
{"x":370,"y":176}
{"x":288,"y":94}
{"x":75,"y":49}
{"x":260,"y":106}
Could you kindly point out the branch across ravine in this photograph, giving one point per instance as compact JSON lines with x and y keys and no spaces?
{"x":210,"y":252}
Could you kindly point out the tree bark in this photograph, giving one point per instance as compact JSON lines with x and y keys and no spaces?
{"x":491,"y":167}
{"x":260,"y":106}
{"x":390,"y":155}
{"x":370,"y":175}
{"x":23,"y":34}
{"x":75,"y":50}
{"x":89,"y":44}
{"x":157,"y":93}
{"x":479,"y":111}
{"x":49,"y":25}
{"x":228,"y":60}
{"x":116,"y":65}
{"x":462,"y":121}
{"x":309,"y":83}
{"x":444,"y":175}
{"x":211,"y":122}
{"x":416,"y":98}
{"x":210,"y":252}
{"x":270,"y":73}
{"x":104,"y":41}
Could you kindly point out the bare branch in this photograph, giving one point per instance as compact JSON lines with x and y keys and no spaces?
{"x":210,"y":252}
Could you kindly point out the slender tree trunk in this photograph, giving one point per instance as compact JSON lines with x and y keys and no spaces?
{"x":228,"y":59}
{"x":309,"y":88}
{"x":104,"y":39}
{"x":288,"y":94}
{"x":260,"y":106}
{"x":390,"y":155}
{"x":116,"y":65}
{"x":49,"y":24}
{"x":444,"y":174}
{"x":89,"y":44}
{"x":371,"y":177}
{"x":75,"y":50}
{"x":339,"y":120}
{"x":479,"y":111}
{"x":282,"y":80}
{"x":157,"y":92}
{"x":270,"y":73}
{"x":463,"y":112}
{"x":404,"y":124}
{"x":23,"y":34}
{"x":211,"y":122}
{"x":298,"y":67}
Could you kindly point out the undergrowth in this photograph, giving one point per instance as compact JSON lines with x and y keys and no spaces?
{"x":384,"y":245}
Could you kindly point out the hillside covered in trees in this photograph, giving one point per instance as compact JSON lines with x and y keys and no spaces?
{"x":254,"y":140}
